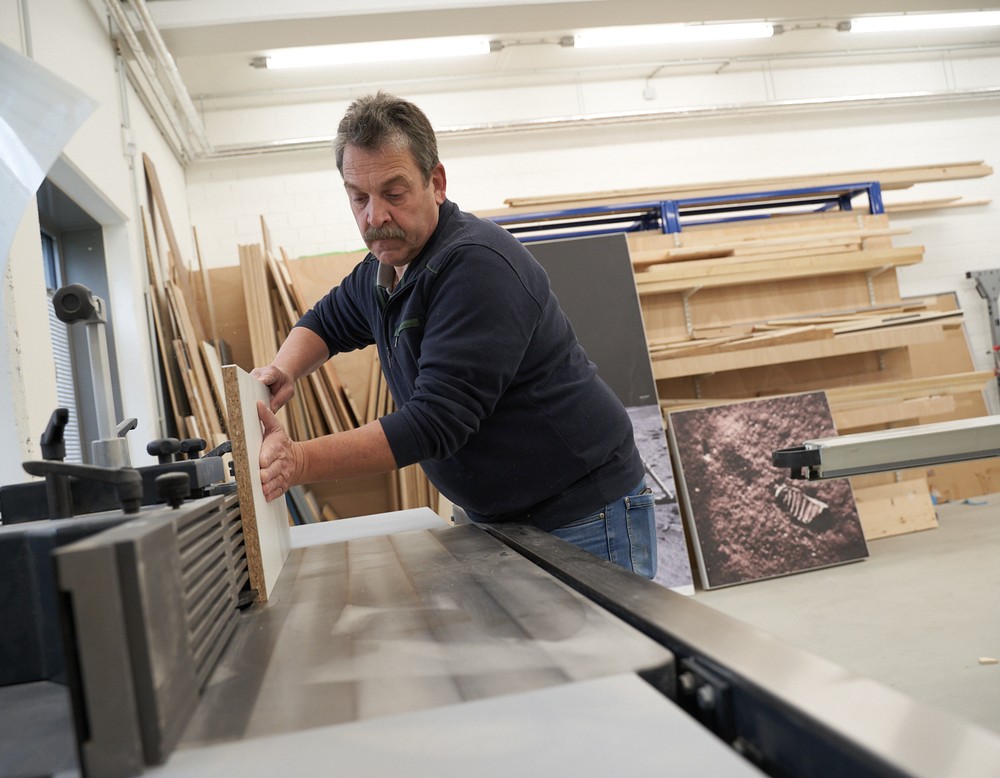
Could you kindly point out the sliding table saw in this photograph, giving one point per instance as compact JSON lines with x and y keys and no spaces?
{"x":134,"y":642}
{"x":397,"y":644}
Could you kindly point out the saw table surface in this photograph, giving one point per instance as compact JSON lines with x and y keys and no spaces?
{"x":436,"y":652}
{"x":386,"y":625}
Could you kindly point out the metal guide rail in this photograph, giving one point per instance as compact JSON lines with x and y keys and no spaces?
{"x":671,"y":216}
{"x":894,"y":449}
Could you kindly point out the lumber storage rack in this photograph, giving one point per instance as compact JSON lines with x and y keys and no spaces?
{"x":671,"y":216}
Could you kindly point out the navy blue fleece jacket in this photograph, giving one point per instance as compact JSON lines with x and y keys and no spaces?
{"x":495,"y":396}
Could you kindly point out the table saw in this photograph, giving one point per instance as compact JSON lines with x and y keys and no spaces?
{"x":136,"y":641}
{"x":399,"y":645}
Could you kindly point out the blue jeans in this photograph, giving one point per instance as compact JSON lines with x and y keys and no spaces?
{"x":623,"y":532}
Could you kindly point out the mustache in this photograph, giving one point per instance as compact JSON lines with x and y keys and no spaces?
{"x":385,"y":232}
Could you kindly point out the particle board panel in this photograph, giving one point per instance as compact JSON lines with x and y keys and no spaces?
{"x":265,"y":524}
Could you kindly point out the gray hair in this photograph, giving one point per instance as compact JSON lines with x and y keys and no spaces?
{"x":382,"y":120}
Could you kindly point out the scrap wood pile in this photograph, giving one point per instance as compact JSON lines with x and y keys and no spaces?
{"x":347,"y":392}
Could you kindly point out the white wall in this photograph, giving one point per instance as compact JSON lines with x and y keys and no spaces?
{"x":70,"y":38}
{"x":301,"y":197}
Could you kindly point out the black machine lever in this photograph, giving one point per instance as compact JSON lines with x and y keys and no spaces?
{"x":126,"y":480}
{"x":191,"y":447}
{"x":163,"y":449}
{"x":53,"y":442}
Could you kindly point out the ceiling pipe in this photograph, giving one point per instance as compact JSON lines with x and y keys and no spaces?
{"x":166,"y":116}
{"x":166,"y":62}
{"x":631,"y":118}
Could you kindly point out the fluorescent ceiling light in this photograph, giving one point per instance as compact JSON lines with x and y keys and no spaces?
{"x":910,"y":22}
{"x":670,"y":33}
{"x":378,"y":51}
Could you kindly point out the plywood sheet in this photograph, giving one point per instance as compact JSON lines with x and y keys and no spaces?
{"x":265,"y":524}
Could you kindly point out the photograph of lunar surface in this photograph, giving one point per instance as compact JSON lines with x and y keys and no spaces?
{"x":747,"y":519}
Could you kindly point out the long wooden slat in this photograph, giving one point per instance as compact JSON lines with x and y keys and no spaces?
{"x":201,"y":388}
{"x":174,"y":253}
{"x":164,"y":333}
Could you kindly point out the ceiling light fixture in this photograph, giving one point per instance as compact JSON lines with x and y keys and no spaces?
{"x":376,"y":51}
{"x":929,"y":21}
{"x":670,"y":33}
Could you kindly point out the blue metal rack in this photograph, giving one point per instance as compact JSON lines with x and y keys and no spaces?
{"x":672,"y":216}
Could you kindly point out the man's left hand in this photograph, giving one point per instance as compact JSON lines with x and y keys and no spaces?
{"x":280,"y":457}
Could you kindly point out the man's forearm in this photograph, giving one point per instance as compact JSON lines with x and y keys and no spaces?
{"x":357,"y":452}
{"x":302,"y":352}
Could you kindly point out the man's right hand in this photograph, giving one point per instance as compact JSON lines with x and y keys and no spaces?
{"x":279,"y":381}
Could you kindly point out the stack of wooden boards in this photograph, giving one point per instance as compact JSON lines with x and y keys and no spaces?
{"x":733,"y":310}
{"x":240,"y":315}
{"x":348,"y":391}
{"x":798,"y":301}
{"x":188,"y":358}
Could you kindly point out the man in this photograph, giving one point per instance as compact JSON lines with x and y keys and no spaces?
{"x":495,"y":396}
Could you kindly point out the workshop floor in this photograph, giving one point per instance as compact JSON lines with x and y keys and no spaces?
{"x":918,"y":615}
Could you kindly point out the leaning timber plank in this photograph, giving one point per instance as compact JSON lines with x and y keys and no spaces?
{"x":206,"y":290}
{"x":176,"y":263}
{"x":201,"y":388}
{"x":651,"y":282}
{"x":181,"y":356}
{"x":850,"y":343}
{"x":265,"y":524}
{"x":895,"y":508}
{"x":161,"y":323}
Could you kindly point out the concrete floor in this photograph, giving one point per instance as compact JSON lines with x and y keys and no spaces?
{"x":917,"y":615}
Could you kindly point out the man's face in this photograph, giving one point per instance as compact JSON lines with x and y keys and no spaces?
{"x":396,"y":210}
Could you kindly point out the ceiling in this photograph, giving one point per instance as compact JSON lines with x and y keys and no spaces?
{"x":210,"y":44}
{"x":214,"y":41}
